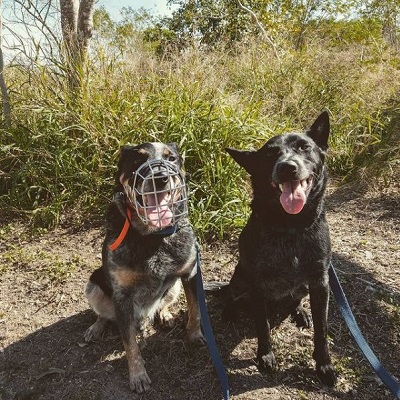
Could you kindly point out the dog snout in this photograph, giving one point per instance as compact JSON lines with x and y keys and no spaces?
{"x":161,"y":175}
{"x":286,"y":170}
{"x":161,"y":179}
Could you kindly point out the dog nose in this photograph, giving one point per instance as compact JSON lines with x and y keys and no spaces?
{"x":286,"y":169}
{"x":287,"y":166}
{"x":161,"y":179}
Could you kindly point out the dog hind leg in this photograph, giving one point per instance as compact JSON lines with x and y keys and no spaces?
{"x":193,"y":325}
{"x":102,"y":306}
{"x":291,"y":306}
{"x":301,"y":317}
{"x":238,"y":294}
{"x":168,"y":299}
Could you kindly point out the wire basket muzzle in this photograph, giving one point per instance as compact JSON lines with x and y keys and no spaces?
{"x":159,"y":193}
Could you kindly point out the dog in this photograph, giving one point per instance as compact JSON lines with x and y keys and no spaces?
{"x":284,"y":249}
{"x":148,"y":250}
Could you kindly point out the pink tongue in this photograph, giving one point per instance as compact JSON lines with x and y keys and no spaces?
{"x":160,"y":214}
{"x":293,"y":197}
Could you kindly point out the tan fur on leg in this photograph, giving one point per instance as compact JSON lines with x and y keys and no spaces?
{"x":170,"y":298}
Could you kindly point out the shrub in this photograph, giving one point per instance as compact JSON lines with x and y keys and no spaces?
{"x":58,"y":161}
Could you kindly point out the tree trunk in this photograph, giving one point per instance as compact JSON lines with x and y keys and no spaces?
{"x":85,"y":25}
{"x":3,"y":86}
{"x":390,"y":25}
{"x":76,"y":25}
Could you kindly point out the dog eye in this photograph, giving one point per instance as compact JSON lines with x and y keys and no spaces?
{"x":305,"y":147}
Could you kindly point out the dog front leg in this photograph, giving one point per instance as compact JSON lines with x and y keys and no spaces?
{"x":319,"y":299}
{"x":193,"y":325}
{"x":265,"y":356}
{"x":139,"y":381}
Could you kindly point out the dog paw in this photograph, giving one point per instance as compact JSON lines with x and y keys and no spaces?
{"x":167,"y":319}
{"x":96,"y":330}
{"x":140,"y":383}
{"x":302,"y":318}
{"x":93,"y":333}
{"x":196,"y":336}
{"x":326,"y":373}
{"x":266,"y":362}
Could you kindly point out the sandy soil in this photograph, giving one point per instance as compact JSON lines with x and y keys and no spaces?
{"x":43,"y":315}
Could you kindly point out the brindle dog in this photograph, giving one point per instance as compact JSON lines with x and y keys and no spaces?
{"x":142,"y":276}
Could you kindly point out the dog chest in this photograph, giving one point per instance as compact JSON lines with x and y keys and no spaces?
{"x":139,"y":261}
{"x":280,"y":276}
{"x":280,"y":263}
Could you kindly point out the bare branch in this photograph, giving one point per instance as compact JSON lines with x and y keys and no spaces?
{"x":262,"y":29}
{"x":40,"y":22}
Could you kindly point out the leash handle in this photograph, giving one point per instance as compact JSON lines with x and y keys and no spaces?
{"x":207,"y":330}
{"x":391,"y":383}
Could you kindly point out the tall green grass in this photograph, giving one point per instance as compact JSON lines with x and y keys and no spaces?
{"x":59,"y":159}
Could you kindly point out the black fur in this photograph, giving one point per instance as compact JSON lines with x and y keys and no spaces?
{"x":285,"y":252}
{"x":140,"y":277}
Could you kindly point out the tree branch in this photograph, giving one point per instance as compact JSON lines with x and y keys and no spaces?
{"x":262,"y":29}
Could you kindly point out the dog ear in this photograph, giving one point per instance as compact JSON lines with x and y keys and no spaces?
{"x":126,"y":149}
{"x":319,"y":130}
{"x":127,"y":152}
{"x":127,"y":157}
{"x":174,"y":146}
{"x":245,"y":158}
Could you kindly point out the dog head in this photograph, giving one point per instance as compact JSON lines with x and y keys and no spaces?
{"x":289,"y":169}
{"x":151,"y":177}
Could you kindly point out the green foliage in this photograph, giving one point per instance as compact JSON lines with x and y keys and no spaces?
{"x":212,"y":23}
{"x":379,"y":152}
{"x":58,"y":161}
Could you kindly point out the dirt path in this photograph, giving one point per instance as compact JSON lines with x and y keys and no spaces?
{"x":43,"y":315}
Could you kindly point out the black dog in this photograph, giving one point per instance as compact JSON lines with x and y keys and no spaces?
{"x":285,"y":247}
{"x":143,"y":266}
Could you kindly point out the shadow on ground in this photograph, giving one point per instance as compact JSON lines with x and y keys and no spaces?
{"x":55,"y":363}
{"x":376,"y":307}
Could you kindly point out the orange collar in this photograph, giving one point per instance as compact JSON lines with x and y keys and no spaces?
{"x":124,"y":231}
{"x":164,"y":232}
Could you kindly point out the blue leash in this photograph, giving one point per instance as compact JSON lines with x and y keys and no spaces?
{"x":207,"y":330}
{"x":391,"y":383}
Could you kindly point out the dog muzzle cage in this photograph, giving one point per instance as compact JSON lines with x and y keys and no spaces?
{"x":159,"y":194}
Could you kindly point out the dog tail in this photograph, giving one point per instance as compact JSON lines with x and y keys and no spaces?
{"x":231,"y":305}
{"x":217,"y":288}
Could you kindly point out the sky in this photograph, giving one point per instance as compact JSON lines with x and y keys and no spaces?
{"x":158,"y":7}
{"x":113,"y":6}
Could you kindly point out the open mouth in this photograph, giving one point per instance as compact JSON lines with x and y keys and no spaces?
{"x":294,"y":194}
{"x":157,"y":207}
{"x":158,"y":193}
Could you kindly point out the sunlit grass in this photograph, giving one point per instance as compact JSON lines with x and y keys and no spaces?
{"x":58,"y":161}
